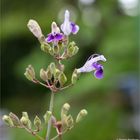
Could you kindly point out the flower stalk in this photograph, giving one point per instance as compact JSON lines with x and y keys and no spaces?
{"x":50,"y":122}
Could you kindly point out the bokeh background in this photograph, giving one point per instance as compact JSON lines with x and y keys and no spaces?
{"x":108,"y":27}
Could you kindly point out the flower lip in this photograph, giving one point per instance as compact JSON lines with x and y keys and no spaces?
{"x":55,"y":34}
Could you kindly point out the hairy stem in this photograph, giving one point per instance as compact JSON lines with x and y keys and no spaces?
{"x":50,"y":123}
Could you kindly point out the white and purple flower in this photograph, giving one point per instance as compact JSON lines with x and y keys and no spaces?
{"x":55,"y":35}
{"x":93,"y":65}
{"x":69,"y":27}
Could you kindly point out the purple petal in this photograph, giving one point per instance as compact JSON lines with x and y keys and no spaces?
{"x":50,"y":38}
{"x":75,"y":28}
{"x":97,"y":65}
{"x":58,"y":36}
{"x":99,"y":73}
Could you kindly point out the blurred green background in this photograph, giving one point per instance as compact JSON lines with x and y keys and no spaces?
{"x":108,"y":27}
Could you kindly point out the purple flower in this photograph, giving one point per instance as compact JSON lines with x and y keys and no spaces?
{"x":55,"y":35}
{"x":93,"y":65}
{"x":69,"y":27}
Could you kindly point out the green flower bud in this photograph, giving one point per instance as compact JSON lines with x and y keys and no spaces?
{"x":62,"y":79}
{"x":48,"y":73}
{"x":14,"y":119}
{"x":56,"y":49}
{"x":57,"y":73}
{"x":51,"y":51}
{"x":75,"y":50}
{"x":25,"y":114}
{"x":47,"y":116}
{"x":64,"y":110}
{"x":43,"y":75}
{"x":70,"y":122}
{"x":74,"y":78}
{"x":52,"y":68}
{"x":45,"y":47}
{"x":81,"y":115}
{"x":8,"y":120}
{"x":37,"y":123}
{"x":24,"y":121}
{"x":72,"y":51}
{"x":30,"y":73}
{"x":71,"y":44}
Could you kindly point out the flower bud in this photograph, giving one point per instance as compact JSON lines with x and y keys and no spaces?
{"x":45,"y":47}
{"x":72,"y":49}
{"x":43,"y":74}
{"x":14,"y":119}
{"x":47,"y":116}
{"x":25,"y":115}
{"x":56,"y":49}
{"x":71,"y":44}
{"x":64,"y":110}
{"x":81,"y":115}
{"x":57,"y":73}
{"x":35,"y":28}
{"x":24,"y":121}
{"x":37,"y":123}
{"x":62,"y":79}
{"x":8,"y":120}
{"x":51,"y":51}
{"x":52,"y":68}
{"x":70,"y":122}
{"x":30,"y":73}
{"x":48,"y":73}
{"x":74,"y":78}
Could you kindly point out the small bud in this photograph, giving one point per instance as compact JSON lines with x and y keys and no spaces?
{"x":24,"y":121}
{"x":45,"y":47}
{"x":37,"y":123}
{"x":15,"y":119}
{"x":51,"y":52}
{"x":75,"y":50}
{"x":71,"y":44}
{"x":30,"y":73}
{"x":47,"y":116}
{"x":64,"y":110}
{"x":52,"y":68}
{"x":48,"y":73}
{"x":25,"y":114}
{"x":62,"y":79}
{"x":8,"y":120}
{"x":72,"y":51}
{"x":70,"y":122}
{"x":74,"y":78}
{"x":43,"y":74}
{"x":35,"y":28}
{"x":56,"y":49}
{"x":57,"y":73}
{"x":81,"y":115}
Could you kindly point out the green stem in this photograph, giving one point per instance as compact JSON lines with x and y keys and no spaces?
{"x":50,"y":123}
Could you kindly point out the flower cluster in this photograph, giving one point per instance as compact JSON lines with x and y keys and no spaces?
{"x":55,"y":36}
{"x":56,"y":44}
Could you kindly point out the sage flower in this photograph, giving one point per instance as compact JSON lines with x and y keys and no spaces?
{"x":55,"y":35}
{"x":92,"y":65}
{"x":69,"y":27}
